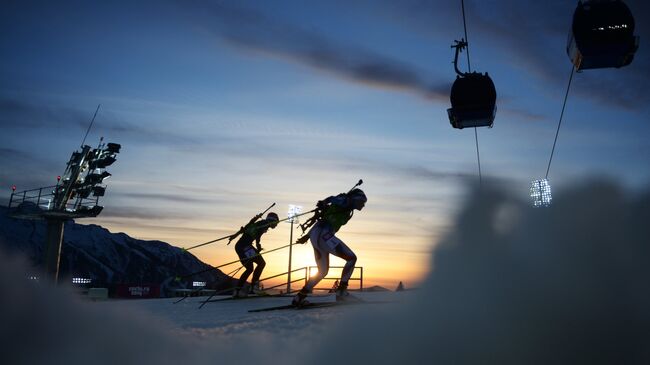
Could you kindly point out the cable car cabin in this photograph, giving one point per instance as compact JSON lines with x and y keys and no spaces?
{"x":602,"y":35}
{"x":473,"y":101}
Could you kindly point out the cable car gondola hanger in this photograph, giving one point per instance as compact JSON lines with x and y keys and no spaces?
{"x":602,"y":35}
{"x":473,"y":97}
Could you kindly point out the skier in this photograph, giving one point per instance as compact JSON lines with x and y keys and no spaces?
{"x":334,"y":212}
{"x":248,"y":255}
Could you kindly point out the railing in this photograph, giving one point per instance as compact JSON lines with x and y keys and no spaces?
{"x":307,"y":270}
{"x":43,"y":199}
{"x":359,"y":279}
{"x":33,"y":196}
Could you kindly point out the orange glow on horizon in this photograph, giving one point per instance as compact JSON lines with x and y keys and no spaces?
{"x":380,"y":249}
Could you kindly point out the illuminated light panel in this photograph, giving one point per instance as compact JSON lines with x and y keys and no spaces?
{"x":198,"y":284}
{"x":294,"y":210}
{"x":540,"y":192}
{"x":81,"y":281}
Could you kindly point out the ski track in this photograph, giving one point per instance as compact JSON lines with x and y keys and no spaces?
{"x":231,"y":318}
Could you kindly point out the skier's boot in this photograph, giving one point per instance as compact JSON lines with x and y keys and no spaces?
{"x":300,"y":299}
{"x":257,"y":290}
{"x":241,"y":292}
{"x":342,"y":294}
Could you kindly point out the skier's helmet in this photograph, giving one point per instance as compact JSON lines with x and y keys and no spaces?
{"x":358,"y":198}
{"x":273,"y":219}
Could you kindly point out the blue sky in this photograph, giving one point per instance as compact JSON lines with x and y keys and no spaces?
{"x":225,"y":107}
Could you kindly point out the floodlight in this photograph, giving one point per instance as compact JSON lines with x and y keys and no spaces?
{"x":99,"y":190}
{"x":84,"y":192}
{"x":90,"y":211}
{"x":102,"y":159}
{"x":113,"y":147}
{"x":294,"y":210}
{"x":540,"y":192}
{"x":96,"y":177}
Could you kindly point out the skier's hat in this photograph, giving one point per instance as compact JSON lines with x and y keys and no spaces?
{"x":274,"y":218}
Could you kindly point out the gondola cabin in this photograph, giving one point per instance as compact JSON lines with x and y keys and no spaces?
{"x":602,"y":35}
{"x":473,"y":101}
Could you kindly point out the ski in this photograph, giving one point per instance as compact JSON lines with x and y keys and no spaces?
{"x":291,"y":306}
{"x":320,"y":305}
{"x":248,"y":297}
{"x":222,"y":291}
{"x":256,"y":297}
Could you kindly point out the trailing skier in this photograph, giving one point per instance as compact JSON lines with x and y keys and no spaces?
{"x":249,"y":255}
{"x":333,"y":213}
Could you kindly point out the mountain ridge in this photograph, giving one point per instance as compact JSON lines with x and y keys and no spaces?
{"x":92,"y":251}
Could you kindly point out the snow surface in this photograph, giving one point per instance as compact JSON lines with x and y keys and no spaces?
{"x":231,"y":317}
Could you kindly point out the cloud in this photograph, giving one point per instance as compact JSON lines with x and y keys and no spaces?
{"x":425,"y":173}
{"x":253,"y":30}
{"x":131,"y":212}
{"x":18,"y":114}
{"x":521,"y":114}
{"x":12,"y":154}
{"x":24,"y":170}
{"x":173,"y":198}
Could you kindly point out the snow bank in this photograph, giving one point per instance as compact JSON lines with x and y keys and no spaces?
{"x":513,"y":284}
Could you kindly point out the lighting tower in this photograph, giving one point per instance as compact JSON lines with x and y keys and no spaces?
{"x":76,"y":195}
{"x":294,"y":211}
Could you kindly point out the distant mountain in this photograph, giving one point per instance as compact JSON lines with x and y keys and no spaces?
{"x":91,"y":251}
{"x":375,"y":288}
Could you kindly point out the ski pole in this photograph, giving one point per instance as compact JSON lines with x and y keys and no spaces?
{"x":254,"y":219}
{"x":219,"y":292}
{"x":215,"y":293}
{"x":223,"y":238}
{"x":178,"y":278}
{"x":309,"y":222}
{"x":281,"y":220}
{"x":230,"y":235}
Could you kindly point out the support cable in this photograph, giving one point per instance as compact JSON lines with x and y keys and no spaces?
{"x":557,"y":132}
{"x":230,"y":235}
{"x":469,"y":70}
{"x":462,"y":4}
{"x":478,"y":157}
{"x":230,"y":263}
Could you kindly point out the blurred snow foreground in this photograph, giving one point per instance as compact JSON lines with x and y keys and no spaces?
{"x":509,"y":284}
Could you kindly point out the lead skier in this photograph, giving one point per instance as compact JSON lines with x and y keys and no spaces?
{"x":334,"y":212}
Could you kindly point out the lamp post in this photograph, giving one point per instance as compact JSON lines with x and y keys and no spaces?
{"x":294,"y":210}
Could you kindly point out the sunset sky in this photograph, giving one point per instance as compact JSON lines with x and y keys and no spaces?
{"x":224,"y":107}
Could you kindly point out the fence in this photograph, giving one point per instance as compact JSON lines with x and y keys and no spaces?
{"x":307,"y":270}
